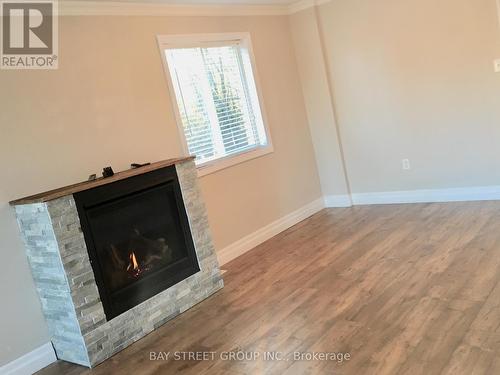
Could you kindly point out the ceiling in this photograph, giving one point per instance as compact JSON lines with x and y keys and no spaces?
{"x":212,"y":2}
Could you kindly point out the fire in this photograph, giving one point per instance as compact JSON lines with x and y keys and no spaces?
{"x":133,"y":266}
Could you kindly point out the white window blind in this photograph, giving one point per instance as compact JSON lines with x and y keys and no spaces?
{"x":217,"y":100}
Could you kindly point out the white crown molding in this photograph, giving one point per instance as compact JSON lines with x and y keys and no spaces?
{"x":498,"y":11}
{"x":117,"y":8}
{"x":301,"y":5}
{"x":305,"y":4}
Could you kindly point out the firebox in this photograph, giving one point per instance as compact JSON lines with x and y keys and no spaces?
{"x":138,"y":238}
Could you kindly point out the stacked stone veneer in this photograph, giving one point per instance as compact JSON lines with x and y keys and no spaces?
{"x":68,"y":292}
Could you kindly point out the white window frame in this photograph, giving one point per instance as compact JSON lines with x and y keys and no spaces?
{"x":200,"y":40}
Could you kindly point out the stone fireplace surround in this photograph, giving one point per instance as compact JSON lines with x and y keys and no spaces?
{"x":65,"y":282}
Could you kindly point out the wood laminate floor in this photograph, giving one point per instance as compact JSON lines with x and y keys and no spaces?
{"x":404,"y":289}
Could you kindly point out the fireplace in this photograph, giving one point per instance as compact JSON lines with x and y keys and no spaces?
{"x":115,"y":258}
{"x":138,"y":238}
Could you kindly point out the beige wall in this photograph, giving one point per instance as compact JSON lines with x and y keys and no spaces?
{"x":318,"y":101}
{"x":414,"y":79}
{"x":108,"y":104}
{"x":409,"y":79}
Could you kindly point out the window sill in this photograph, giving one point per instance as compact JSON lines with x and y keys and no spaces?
{"x":228,"y":161}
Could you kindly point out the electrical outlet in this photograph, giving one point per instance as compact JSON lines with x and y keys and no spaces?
{"x":406,"y":164}
{"x":496,"y":63}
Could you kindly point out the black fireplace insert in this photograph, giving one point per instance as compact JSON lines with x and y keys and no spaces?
{"x":138,"y":238}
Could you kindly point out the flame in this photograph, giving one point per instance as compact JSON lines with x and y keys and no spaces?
{"x":133,"y":265}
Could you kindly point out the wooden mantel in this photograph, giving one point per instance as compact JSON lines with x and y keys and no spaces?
{"x":86,"y":185}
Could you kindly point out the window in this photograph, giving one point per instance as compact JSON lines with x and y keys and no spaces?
{"x":216,"y":98}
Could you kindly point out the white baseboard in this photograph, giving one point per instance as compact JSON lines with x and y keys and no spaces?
{"x":31,"y":362}
{"x":263,"y":234}
{"x":390,"y":197}
{"x":338,"y":200}
{"x":480,"y":193}
{"x":44,"y":355}
{"x":247,"y":243}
